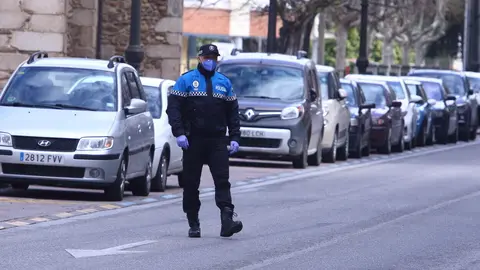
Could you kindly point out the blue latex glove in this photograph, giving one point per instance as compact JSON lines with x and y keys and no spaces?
{"x":182,"y":141}
{"x":233,"y":147}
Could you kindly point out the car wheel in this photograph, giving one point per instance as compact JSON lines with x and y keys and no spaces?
{"x":453,"y":138}
{"x":367,"y":149}
{"x":301,"y":161}
{"x":316,"y":159}
{"x":387,"y":146}
{"x":357,"y":153}
{"x":464,"y":134}
{"x":331,"y":155}
{"x":159,"y":182}
{"x":116,"y":191}
{"x":142,"y":185}
{"x":422,"y":135}
{"x":400,"y":147}
{"x":18,"y":186}
{"x":473,"y":132}
{"x":431,"y":136}
{"x":343,"y":151}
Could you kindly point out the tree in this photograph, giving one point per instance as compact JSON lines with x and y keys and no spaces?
{"x":425,"y":24}
{"x":297,"y":19}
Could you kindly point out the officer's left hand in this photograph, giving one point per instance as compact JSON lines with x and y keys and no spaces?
{"x":233,"y":147}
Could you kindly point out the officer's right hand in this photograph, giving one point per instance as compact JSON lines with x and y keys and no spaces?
{"x":182,"y":142}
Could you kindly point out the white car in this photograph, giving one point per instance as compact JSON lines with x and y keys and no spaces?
{"x":168,"y":156}
{"x":409,"y":108}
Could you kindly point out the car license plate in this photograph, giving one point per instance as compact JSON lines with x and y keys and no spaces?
{"x":41,"y":158}
{"x":252,"y":133}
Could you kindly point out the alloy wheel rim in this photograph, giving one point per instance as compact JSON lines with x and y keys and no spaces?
{"x":149,"y":174}
{"x":347,"y":142}
{"x":123,"y":176}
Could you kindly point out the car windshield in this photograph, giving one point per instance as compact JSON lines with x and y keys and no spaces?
{"x":397,"y":87}
{"x":154,"y":100}
{"x":474,"y":83}
{"x":62,"y":88}
{"x":323,"y":84}
{"x":453,"y":82}
{"x":350,"y":100}
{"x":374,"y":93}
{"x":265,"y":81}
{"x":433,"y":90}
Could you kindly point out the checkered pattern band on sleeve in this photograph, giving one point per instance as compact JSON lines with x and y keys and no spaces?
{"x":231,"y":98}
{"x":177,"y":93}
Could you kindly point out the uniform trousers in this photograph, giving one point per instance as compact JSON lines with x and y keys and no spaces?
{"x":213,"y":152}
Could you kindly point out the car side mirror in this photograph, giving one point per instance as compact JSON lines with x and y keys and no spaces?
{"x":136,"y":106}
{"x":451,"y":97}
{"x":368,"y":106}
{"x":416,"y":99}
{"x":396,"y":104}
{"x":431,"y":102}
{"x":342,"y":94}
{"x":449,"y":102}
{"x":470,"y":92}
{"x":313,"y":95}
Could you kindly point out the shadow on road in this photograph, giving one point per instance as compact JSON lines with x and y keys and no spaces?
{"x":261,"y":164}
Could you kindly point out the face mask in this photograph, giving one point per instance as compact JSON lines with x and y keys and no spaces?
{"x":209,"y":64}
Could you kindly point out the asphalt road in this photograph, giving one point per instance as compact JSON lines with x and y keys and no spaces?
{"x":412,"y":211}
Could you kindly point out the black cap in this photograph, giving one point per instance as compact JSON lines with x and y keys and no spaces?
{"x":208,"y":50}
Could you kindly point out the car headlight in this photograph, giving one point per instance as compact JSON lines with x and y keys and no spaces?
{"x":291,"y":112}
{"x":5,"y":139}
{"x":95,"y":143}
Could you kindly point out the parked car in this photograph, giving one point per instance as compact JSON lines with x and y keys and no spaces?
{"x":409,"y":109}
{"x":467,"y":106}
{"x":99,"y":135}
{"x":444,"y":112}
{"x":279,"y":104}
{"x":336,"y":116}
{"x":167,"y":159}
{"x":474,"y":82}
{"x":360,"y":119}
{"x":425,"y":127}
{"x":387,"y":132}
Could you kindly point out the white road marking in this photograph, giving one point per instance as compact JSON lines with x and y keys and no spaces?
{"x":85,"y":253}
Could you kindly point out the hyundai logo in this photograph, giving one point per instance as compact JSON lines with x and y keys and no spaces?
{"x":44,"y":143}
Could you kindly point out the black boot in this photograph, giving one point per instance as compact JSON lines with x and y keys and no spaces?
{"x":194,"y":223}
{"x":229,"y":226}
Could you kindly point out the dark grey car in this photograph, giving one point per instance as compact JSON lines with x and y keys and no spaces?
{"x":280,"y":106}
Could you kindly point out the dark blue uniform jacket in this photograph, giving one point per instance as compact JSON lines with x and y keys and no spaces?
{"x":203,"y":104}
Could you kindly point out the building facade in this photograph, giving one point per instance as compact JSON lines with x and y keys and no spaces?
{"x":90,"y":28}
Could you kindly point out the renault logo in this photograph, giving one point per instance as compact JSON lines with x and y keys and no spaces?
{"x":44,"y":143}
{"x":249,"y":114}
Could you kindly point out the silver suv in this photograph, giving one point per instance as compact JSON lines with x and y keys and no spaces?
{"x":76,"y":123}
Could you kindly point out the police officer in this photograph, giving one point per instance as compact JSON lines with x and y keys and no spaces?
{"x":201,"y":106}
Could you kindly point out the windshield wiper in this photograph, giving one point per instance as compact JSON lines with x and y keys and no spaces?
{"x":20,"y":104}
{"x":263,"y":97}
{"x":66,"y":106}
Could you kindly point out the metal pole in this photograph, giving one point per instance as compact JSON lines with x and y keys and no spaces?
{"x":272,"y":27}
{"x":467,"y":36}
{"x":135,"y":53}
{"x":362,"y":60}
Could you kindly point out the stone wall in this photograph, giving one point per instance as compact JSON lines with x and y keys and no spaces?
{"x":161,"y":34}
{"x":27,"y":26}
{"x":69,"y":27}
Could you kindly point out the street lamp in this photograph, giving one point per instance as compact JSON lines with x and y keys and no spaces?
{"x":362,"y":60}
{"x":134,"y":53}
{"x":272,"y":27}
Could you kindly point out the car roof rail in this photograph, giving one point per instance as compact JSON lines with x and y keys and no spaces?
{"x":301,"y":54}
{"x":40,"y":54}
{"x":235,"y":51}
{"x":116,"y":59}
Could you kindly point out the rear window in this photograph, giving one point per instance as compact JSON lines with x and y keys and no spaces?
{"x":474,"y":83}
{"x":374,"y":93}
{"x":397,"y":87}
{"x":433,"y":90}
{"x":453,"y":82}
{"x":265,"y":81}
